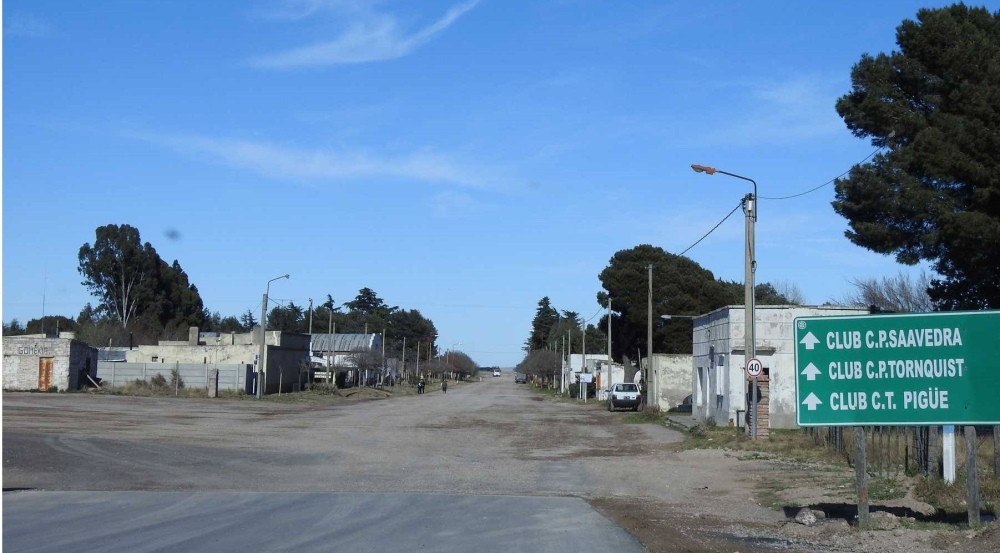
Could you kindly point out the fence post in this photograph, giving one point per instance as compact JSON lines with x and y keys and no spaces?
{"x":113,"y":384}
{"x":972,"y":475}
{"x":861,"y":475}
{"x":996,"y":451}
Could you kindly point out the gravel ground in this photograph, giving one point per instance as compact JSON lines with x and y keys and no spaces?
{"x":488,"y":438}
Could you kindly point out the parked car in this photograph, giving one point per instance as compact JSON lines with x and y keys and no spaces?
{"x":624,"y":394}
{"x":519,"y":378}
{"x":496,"y":372}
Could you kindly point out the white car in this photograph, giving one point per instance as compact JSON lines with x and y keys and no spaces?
{"x":624,"y":394}
{"x":496,"y":372}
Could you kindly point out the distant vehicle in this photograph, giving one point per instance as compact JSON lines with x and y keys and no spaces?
{"x":624,"y":394}
{"x":519,"y":378}
{"x":496,"y":372}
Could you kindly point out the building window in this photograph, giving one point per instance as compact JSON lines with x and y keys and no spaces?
{"x":155,"y":359}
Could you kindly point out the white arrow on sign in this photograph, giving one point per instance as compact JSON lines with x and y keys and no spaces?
{"x":809,"y":340}
{"x":812,"y":401}
{"x":811,"y":371}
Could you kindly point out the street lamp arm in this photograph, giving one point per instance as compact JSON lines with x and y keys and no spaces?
{"x":712,"y":170}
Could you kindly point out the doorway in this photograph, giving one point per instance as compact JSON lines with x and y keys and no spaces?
{"x":44,"y":373}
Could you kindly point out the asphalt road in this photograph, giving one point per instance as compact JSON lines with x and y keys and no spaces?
{"x":489,"y":466}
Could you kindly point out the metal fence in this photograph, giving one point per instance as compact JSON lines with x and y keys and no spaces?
{"x":892,"y":451}
{"x":231,"y":377}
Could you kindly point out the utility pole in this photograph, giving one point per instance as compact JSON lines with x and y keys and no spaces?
{"x":562,"y":367}
{"x":262,"y":356}
{"x":404,"y":355}
{"x":310,"y":316}
{"x":750,"y":266}
{"x":650,"y":374}
{"x":609,"y":344}
{"x":583,"y":356}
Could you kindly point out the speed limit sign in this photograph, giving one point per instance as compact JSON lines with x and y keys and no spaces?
{"x":754,"y":367}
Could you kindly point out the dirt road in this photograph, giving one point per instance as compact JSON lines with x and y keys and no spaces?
{"x":493,"y":438}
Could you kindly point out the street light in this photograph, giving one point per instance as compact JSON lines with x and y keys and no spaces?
{"x":451,"y":362}
{"x":668,"y":317}
{"x":262,"y":366}
{"x":750,"y":264}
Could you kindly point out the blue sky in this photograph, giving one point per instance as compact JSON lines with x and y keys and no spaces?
{"x":460,"y":158}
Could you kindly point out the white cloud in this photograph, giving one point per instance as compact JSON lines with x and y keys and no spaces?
{"x":26,"y":26}
{"x":277,"y":161}
{"x":369,"y":37}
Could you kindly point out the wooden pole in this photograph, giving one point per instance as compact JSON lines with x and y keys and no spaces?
{"x":861,"y":475}
{"x":972,"y":475}
{"x":996,"y":450}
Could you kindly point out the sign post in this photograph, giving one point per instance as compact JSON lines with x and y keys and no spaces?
{"x":900,"y":370}
{"x":754,"y":369}
{"x":913,"y":369}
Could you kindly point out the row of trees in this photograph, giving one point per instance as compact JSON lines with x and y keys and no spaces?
{"x":141,"y":299}
{"x":680,"y":287}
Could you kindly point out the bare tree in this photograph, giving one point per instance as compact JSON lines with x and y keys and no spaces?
{"x":901,"y":293}
{"x":790,"y":291}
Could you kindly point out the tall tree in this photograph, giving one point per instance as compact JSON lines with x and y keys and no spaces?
{"x":117,"y":270}
{"x":135,"y":287}
{"x":680,"y":287}
{"x":935,"y":193}
{"x":545,"y":319}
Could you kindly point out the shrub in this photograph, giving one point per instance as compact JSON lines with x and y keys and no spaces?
{"x":175,"y":379}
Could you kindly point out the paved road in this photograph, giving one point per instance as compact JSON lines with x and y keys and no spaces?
{"x":489,"y":466}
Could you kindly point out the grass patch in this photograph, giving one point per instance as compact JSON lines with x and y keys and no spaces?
{"x":886,"y":489}
{"x":649,"y":415}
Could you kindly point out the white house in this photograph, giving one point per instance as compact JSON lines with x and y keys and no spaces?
{"x":670,"y":380}
{"x":597,"y":364}
{"x":719,"y":385}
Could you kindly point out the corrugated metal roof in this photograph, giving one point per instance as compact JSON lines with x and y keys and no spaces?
{"x":343,"y":342}
{"x":111,"y":355}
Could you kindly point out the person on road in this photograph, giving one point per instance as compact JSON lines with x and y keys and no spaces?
{"x":444,"y":386}
{"x":420,"y":386}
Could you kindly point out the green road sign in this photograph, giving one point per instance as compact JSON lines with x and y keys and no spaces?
{"x":927,"y":368}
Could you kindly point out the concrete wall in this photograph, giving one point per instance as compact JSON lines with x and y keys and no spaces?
{"x":231,"y":377}
{"x":285,"y":355}
{"x":672,"y":375}
{"x":719,"y":383}
{"x":21,"y":355}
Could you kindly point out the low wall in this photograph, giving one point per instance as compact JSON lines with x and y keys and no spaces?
{"x":231,"y":376}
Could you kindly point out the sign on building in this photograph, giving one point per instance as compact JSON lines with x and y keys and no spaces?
{"x":912,"y":369}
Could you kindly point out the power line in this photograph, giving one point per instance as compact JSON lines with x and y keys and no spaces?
{"x":713,"y":229}
{"x":811,"y":190}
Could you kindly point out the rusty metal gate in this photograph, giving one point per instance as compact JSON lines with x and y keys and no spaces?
{"x":44,"y":373}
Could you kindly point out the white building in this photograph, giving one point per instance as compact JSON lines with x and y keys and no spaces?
{"x":671,"y":380}
{"x":40,"y":362}
{"x":340,"y":349}
{"x":719,"y":385}
{"x":596,"y":364}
